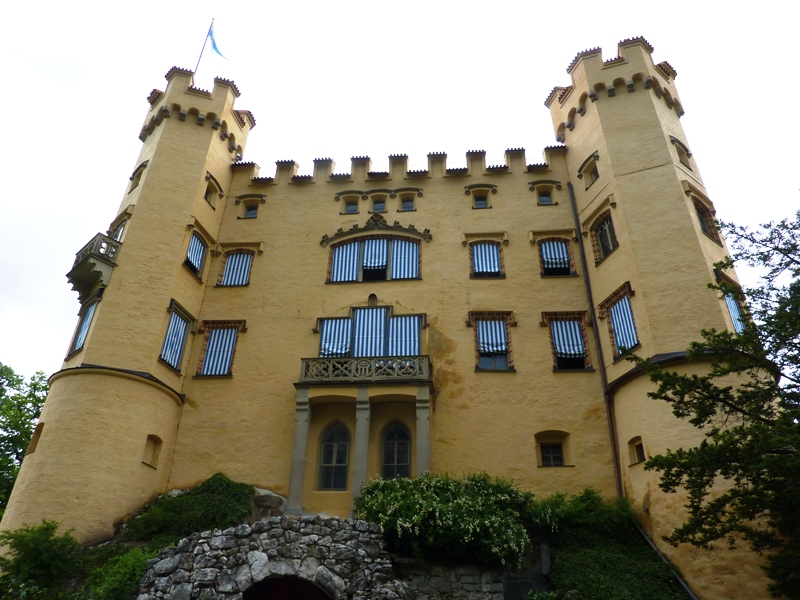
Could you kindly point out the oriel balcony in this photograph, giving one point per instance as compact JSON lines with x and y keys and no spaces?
{"x":401,"y":369}
{"x":93,"y":265}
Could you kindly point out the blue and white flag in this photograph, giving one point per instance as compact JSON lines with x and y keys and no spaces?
{"x":214,"y":42}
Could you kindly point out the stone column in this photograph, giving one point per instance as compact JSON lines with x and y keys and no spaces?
{"x":361,"y":446}
{"x":302,"y":417}
{"x":423,"y":429}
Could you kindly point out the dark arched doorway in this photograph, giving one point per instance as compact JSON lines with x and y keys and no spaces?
{"x":285,"y":588}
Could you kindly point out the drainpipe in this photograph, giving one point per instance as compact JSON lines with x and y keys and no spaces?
{"x":600,"y":359}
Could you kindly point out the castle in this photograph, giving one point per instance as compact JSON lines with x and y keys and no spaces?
{"x":304,"y":333}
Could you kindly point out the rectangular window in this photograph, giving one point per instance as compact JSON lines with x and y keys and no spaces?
{"x":555,"y":258}
{"x":545,"y":198}
{"x":552,"y":455}
{"x":404,"y":336}
{"x":369,"y":332}
{"x":485,"y":260}
{"x":605,"y":238}
{"x":195,"y":255}
{"x":250,"y":211}
{"x":172,"y":350}
{"x":623,"y":327}
{"x":736,"y":312}
{"x":568,"y":344}
{"x":375,"y":260}
{"x":492,"y":345}
{"x":335,"y":338}
{"x":237,"y":269}
{"x":83,"y":327}
{"x":639,"y":451}
{"x":218,"y":358}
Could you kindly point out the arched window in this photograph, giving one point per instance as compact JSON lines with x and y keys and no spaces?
{"x":334,"y":458}
{"x":396,"y":452}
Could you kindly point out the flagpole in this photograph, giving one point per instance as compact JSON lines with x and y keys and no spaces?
{"x":205,"y":41}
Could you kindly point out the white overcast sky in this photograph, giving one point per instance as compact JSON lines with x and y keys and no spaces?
{"x":345,"y":78}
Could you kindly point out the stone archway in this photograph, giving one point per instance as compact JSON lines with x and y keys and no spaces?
{"x":342,"y":559}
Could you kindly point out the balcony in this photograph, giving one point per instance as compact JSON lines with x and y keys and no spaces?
{"x":93,"y":265}
{"x":392,"y":369}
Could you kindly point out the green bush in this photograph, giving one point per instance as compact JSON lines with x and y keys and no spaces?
{"x":218,"y":502}
{"x":118,"y":578}
{"x":474,"y":519}
{"x":36,"y":555}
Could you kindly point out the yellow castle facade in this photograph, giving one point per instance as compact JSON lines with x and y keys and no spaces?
{"x":305,"y":333}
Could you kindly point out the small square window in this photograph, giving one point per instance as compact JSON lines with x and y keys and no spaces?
{"x":552,"y":455}
{"x":406,"y":204}
{"x":379,"y":206}
{"x":481,"y":202}
{"x":545,"y":197}
{"x":351,"y":207}
{"x":250,"y":211}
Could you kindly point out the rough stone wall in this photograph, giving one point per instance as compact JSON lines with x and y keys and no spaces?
{"x":437,"y":582}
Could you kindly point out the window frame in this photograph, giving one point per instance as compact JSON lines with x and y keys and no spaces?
{"x":604,"y":312}
{"x":388,"y":316}
{"x":182,"y":313}
{"x":706,"y":219}
{"x":599,"y":253}
{"x":89,"y":305}
{"x":224,"y":265}
{"x":582,"y":317}
{"x":405,"y":198}
{"x":213,"y":191}
{"x":589,"y":171}
{"x":545,"y":187}
{"x":336,"y":427}
{"x":195,"y":270}
{"x":553,"y":438}
{"x":507,"y":318}
{"x":395,"y":426}
{"x":206,"y":327}
{"x":543,"y":269}
{"x":389,"y":258}
{"x":500,"y":273}
{"x":634,"y":456}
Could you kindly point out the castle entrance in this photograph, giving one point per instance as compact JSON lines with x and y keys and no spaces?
{"x":285,"y":588}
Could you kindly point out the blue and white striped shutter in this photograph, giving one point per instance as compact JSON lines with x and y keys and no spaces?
{"x":404,"y":336}
{"x":555,"y":255}
{"x":624,"y":327}
{"x":485,"y":258}
{"x":567,"y":338}
{"x":405,"y":259}
{"x":197,"y":250}
{"x":173,"y":342}
{"x":83,"y":328}
{"x":492,"y":337}
{"x":335,"y":337}
{"x":370,"y":332}
{"x":376,"y":254}
{"x":237,"y":269}
{"x":736,"y":313}
{"x":219,"y":352}
{"x":345,"y":262}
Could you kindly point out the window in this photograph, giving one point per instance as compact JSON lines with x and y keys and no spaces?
{"x":485,"y":259}
{"x":588,"y":170}
{"x":175,"y":339}
{"x":683,"y":152}
{"x":379,"y":204}
{"x":396,"y":454}
{"x":621,"y":324}
{"x":87,"y":312}
{"x":568,"y":339}
{"x":37,"y":433}
{"x":555,"y":258}
{"x":636,"y":453}
{"x":116,"y":235}
{"x":334,"y":458}
{"x":492,"y":346}
{"x":480,"y":201}
{"x":604,"y":239}
{"x":406,"y":203}
{"x":736,"y":312}
{"x":213,"y":190}
{"x":545,"y":190}
{"x":351,"y":207}
{"x":371,"y":332}
{"x":152,"y":450}
{"x":552,"y":455}
{"x":195,"y":255}
{"x":137,"y":176}
{"x":375,"y":259}
{"x":218,"y":347}
{"x":545,"y":196}
{"x":708,"y":223}
{"x":236,"y":269}
{"x":591,"y":175}
{"x":250,"y":211}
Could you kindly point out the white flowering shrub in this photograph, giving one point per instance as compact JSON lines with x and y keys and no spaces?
{"x":474,"y":519}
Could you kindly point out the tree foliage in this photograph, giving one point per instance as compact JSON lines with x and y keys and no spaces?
{"x":742,"y":479}
{"x":20,"y":405}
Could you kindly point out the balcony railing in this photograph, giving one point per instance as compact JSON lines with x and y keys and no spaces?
{"x":365,"y":369}
{"x":100,"y":246}
{"x":93,"y":265}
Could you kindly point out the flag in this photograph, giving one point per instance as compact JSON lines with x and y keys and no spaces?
{"x":214,"y":42}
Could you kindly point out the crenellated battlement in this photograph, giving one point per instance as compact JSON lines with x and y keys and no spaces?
{"x":360,"y":168}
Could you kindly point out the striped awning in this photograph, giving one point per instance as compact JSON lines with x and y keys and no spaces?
{"x":376,"y":254}
{"x":485,"y":258}
{"x":83,"y":327}
{"x":624,"y":327}
{"x":173,"y":342}
{"x":405,"y":259}
{"x":237,"y":269}
{"x":370,"y":332}
{"x":492,"y":337}
{"x":736,"y":313}
{"x":567,"y":339}
{"x":219,"y":352}
{"x":404,"y":336}
{"x":345,"y":262}
{"x":555,"y":254}
{"x":335,"y":335}
{"x":197,"y":250}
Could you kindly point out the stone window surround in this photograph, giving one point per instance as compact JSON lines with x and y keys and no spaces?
{"x":603,"y":313}
{"x":581,"y":316}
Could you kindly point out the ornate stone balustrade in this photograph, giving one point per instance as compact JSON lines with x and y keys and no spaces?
{"x":100,"y":246}
{"x":365,"y":369}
